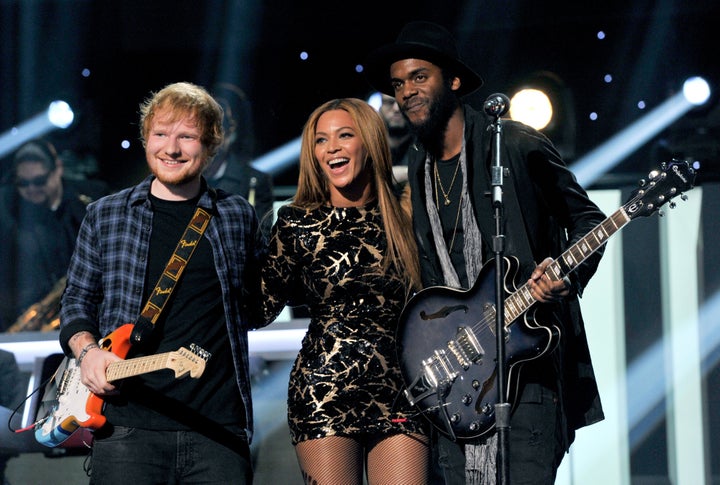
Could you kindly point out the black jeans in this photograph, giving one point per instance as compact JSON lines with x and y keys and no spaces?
{"x":147,"y":457}
{"x":535,"y":444}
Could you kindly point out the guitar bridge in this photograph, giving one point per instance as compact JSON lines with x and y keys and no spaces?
{"x":436,"y":373}
{"x":466,"y":348}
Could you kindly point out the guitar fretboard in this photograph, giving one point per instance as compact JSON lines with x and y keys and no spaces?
{"x":137,"y":366}
{"x":521,"y":300}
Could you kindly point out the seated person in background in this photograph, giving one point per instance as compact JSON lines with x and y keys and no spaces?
{"x":231,"y":170}
{"x":40,"y":215}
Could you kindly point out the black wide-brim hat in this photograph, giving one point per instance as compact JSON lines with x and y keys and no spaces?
{"x":420,"y":40}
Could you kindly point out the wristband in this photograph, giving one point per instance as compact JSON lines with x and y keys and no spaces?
{"x":85,"y":351}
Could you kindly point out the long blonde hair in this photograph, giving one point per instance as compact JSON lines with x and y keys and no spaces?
{"x":313,"y":189}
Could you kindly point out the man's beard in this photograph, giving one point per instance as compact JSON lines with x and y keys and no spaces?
{"x":177,"y":180}
{"x":431,"y":132}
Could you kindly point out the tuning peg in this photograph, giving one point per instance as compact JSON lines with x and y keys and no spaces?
{"x":672,"y":205}
{"x":684,"y":196}
{"x":661,"y":213}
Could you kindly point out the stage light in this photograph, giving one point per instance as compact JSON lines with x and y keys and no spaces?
{"x":58,"y":115}
{"x":375,"y":100}
{"x":590,"y":167}
{"x":277,"y":160}
{"x":532,"y":107}
{"x":543,"y":101}
{"x":696,"y":91}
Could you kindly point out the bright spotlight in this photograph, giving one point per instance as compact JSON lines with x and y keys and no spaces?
{"x":375,"y":100}
{"x":60,"y":114}
{"x":696,"y":90}
{"x":590,"y":167}
{"x":532,"y":107}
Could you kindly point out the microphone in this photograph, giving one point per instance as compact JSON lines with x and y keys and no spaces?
{"x":496,"y":105}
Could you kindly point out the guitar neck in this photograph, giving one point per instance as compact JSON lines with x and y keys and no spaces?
{"x":137,"y":366}
{"x":521,"y":300}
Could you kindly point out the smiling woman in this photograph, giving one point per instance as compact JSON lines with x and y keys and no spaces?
{"x":344,"y":248}
{"x":343,"y":158}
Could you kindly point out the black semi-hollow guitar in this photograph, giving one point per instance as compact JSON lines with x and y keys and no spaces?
{"x":446,"y":336}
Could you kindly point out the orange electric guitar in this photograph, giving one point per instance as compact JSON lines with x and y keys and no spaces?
{"x":75,"y":406}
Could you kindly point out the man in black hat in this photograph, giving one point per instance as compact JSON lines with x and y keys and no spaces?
{"x":544,"y":210}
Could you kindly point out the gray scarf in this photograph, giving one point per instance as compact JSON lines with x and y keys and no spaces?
{"x":472,"y":249}
{"x":480,"y":459}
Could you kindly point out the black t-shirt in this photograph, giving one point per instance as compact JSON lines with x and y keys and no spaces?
{"x":450,"y":214}
{"x":193,"y":314}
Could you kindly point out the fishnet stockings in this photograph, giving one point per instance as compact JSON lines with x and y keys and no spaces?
{"x":337,"y":460}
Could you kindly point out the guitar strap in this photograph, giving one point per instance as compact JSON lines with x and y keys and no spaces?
{"x":170,"y":276}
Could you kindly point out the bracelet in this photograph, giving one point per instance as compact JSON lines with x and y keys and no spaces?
{"x":85,"y":351}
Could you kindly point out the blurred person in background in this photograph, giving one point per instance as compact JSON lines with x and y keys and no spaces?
{"x":231,"y":169}
{"x":40,"y":215}
{"x":400,"y":137}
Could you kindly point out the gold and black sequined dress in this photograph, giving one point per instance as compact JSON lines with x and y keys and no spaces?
{"x":346,"y":378}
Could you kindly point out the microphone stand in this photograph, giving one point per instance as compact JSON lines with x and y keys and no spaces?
{"x":496,"y":106}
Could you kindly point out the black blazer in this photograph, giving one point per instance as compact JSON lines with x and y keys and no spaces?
{"x":545,"y":210}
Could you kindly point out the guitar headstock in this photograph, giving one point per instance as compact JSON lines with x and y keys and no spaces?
{"x":184,"y":361}
{"x":671,"y":180}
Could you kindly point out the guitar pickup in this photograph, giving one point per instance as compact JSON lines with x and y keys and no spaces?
{"x":466,"y":347}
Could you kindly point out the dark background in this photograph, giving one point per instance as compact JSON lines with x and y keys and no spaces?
{"x":134,"y":47}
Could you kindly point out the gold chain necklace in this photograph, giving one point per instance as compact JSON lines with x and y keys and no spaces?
{"x":447,"y":201}
{"x":446,"y":194}
{"x":457,"y":218}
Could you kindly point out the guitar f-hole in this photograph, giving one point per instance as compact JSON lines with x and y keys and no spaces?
{"x":443,"y":312}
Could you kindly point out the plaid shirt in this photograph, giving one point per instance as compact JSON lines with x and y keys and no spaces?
{"x":107,"y":270}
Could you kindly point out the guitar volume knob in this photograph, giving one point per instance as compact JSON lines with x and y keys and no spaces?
{"x":467,"y":399}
